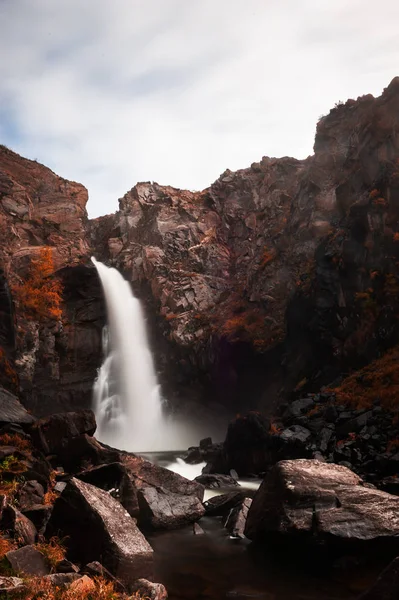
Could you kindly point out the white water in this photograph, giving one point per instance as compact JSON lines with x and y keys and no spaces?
{"x":127,"y":398}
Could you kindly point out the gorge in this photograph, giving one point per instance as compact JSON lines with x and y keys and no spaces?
{"x":270,"y":301}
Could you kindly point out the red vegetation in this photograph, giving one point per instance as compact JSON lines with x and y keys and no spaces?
{"x":379,"y":381}
{"x":40,"y":295}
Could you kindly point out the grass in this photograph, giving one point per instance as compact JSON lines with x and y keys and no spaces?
{"x":53,"y":550}
{"x":39,"y":588}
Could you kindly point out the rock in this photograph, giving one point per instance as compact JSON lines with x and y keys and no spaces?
{"x":19,"y":525}
{"x":66,"y":566}
{"x":9,"y":585}
{"x":39,"y":514}
{"x":3,"y":504}
{"x":197,"y":529}
{"x":206,"y":443}
{"x":299,"y":407}
{"x":50,"y":434}
{"x":296,"y":435}
{"x":114,"y":478}
{"x":83,"y":450}
{"x":354,"y":425}
{"x":387,"y":585}
{"x":96,"y":569}
{"x":216,"y":481}
{"x":63,"y":580}
{"x":161,"y":509}
{"x":322,"y":501}
{"x":147,"y":589}
{"x":248,"y":444}
{"x":99,"y":528}
{"x":222,"y":504}
{"x":12,"y":411}
{"x":235,"y":523}
{"x":31,"y":493}
{"x":82,"y":586}
{"x":144,"y":474}
{"x":193,"y":456}
{"x":28,"y":560}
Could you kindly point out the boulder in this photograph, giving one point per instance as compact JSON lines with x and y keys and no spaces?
{"x":18,"y":525}
{"x":50,"y":434}
{"x":82,"y":586}
{"x":216,"y":481}
{"x":28,"y":560}
{"x":9,"y":585}
{"x":387,"y":585}
{"x":248,"y":444}
{"x":63,"y":580}
{"x":115,"y":479}
{"x":299,"y":407}
{"x":235,"y":523}
{"x":99,"y":528}
{"x":144,"y":474}
{"x":39,"y":514}
{"x":147,"y":589}
{"x":12,"y":411}
{"x":322,"y":501}
{"x":30,"y":494}
{"x":82,"y":451}
{"x":222,"y":504}
{"x":96,"y":569}
{"x":161,"y":509}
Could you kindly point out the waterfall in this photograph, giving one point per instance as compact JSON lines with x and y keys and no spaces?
{"x":127,"y":399}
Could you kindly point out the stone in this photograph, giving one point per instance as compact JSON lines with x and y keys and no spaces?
{"x":322,"y":501}
{"x":63,"y":580}
{"x":82,"y":586}
{"x":50,"y":434}
{"x":216,"y":481}
{"x":99,"y":528}
{"x":19,"y":525}
{"x":248,"y":444}
{"x":83,"y":450}
{"x":237,"y":518}
{"x":115,"y":479}
{"x":96,"y":569}
{"x":31,"y":493}
{"x":299,"y":407}
{"x":161,"y":509}
{"x":12,"y":411}
{"x":355,"y":425}
{"x":66,"y":566}
{"x":9,"y":585}
{"x":222,"y":504}
{"x":28,"y":560}
{"x":147,"y":589}
{"x":205,"y":443}
{"x":387,"y":585}
{"x":296,"y":435}
{"x":193,"y":456}
{"x":197,"y":529}
{"x":39,"y":514}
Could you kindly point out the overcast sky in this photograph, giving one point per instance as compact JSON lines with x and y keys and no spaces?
{"x":111,"y":92}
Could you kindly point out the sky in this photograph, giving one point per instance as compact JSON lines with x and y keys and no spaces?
{"x":112,"y":92}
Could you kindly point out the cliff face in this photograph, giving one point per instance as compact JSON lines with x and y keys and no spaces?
{"x":55,"y":361}
{"x":277,"y":277}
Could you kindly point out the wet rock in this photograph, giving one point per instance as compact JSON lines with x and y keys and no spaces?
{"x":152,"y":591}
{"x":222,"y":504}
{"x":193,"y":456}
{"x":83,"y":450}
{"x":216,"y":481}
{"x":235,"y":523}
{"x":206,"y":443}
{"x":12,"y":411}
{"x":197,"y":529}
{"x":9,"y":585}
{"x":50,"y":434}
{"x":28,"y":560}
{"x":387,"y":585}
{"x":18,"y":525}
{"x":115,"y":479}
{"x":161,"y":509}
{"x":100,"y":528}
{"x":325,"y":501}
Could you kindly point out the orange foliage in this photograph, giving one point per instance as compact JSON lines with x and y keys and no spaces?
{"x":40,"y":295}
{"x":16,"y":441}
{"x":374,"y":193}
{"x":6,"y":545}
{"x":267,"y":257}
{"x":377,"y":381}
{"x":53,"y":550}
{"x":36,"y":588}
{"x":274,"y":428}
{"x":396,"y":237}
{"x":380,"y":202}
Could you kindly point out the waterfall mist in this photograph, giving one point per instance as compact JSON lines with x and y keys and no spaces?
{"x":127,"y":396}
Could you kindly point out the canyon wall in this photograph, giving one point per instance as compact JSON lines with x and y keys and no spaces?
{"x":276,"y":279}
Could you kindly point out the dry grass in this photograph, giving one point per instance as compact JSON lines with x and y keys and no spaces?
{"x":6,"y":545}
{"x":53,"y":550}
{"x":16,"y":441}
{"x":379,"y":381}
{"x":39,"y":588}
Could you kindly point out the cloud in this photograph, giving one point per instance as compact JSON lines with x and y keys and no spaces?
{"x":174,"y":91}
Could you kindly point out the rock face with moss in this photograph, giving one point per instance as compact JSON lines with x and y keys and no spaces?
{"x":277,"y":277}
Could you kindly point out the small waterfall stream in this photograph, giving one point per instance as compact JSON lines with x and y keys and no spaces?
{"x":127,"y":397}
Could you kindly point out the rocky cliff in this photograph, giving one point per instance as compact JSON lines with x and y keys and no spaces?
{"x":279,"y":277}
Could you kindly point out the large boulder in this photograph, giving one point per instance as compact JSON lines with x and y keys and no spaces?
{"x":99,"y":528}
{"x":235,"y":522}
{"x":216,"y":481}
{"x":28,"y":560}
{"x":84,"y":451}
{"x":51,"y":434}
{"x":21,"y":527}
{"x":161,"y":509}
{"x":322,"y":501}
{"x":12,"y":411}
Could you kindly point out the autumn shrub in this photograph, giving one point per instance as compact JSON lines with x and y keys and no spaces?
{"x":6,"y":545}
{"x":379,"y":381}
{"x":53,"y":550}
{"x":16,"y":441}
{"x":40,"y":295}
{"x":36,"y":588}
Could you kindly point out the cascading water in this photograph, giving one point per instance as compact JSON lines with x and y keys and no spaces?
{"x":127,"y":399}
